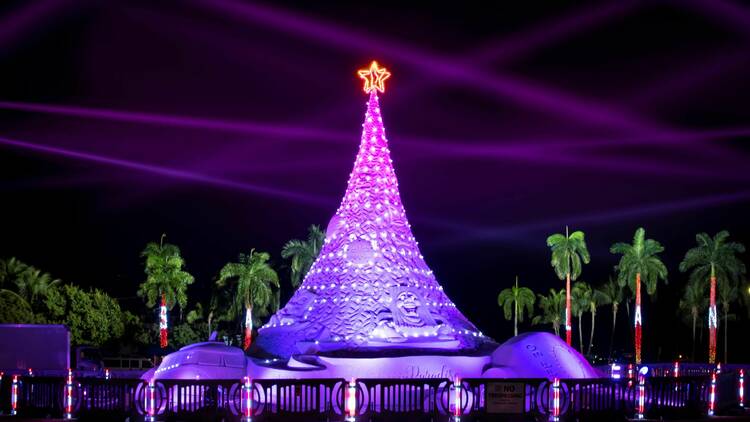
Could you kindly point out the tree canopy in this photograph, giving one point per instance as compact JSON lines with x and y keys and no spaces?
{"x":303,"y":253}
{"x":568,"y":252}
{"x":640,"y":257}
{"x":165,"y":274}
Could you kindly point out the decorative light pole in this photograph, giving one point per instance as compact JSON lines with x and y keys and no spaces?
{"x":457,"y":408}
{"x":14,"y":396}
{"x":151,"y":401}
{"x":555,"y":401}
{"x":713,"y":321}
{"x":351,"y":401}
{"x":248,"y":328}
{"x":247,"y":400}
{"x":69,"y":395}
{"x":712,"y":395}
{"x":641,"y":397}
{"x":637,"y":322}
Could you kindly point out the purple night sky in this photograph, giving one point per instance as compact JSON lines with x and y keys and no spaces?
{"x":232,"y":125}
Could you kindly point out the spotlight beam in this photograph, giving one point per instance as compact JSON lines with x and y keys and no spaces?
{"x":473,"y":233}
{"x":727,"y":13}
{"x":515,"y":46}
{"x":278,"y":131}
{"x":531,"y":150}
{"x":167,"y":172}
{"x":520,"y":91}
{"x":30,"y":17}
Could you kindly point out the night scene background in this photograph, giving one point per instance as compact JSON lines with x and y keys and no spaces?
{"x":232,"y":125}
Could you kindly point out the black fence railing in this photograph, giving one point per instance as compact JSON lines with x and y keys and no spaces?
{"x":369,"y":399}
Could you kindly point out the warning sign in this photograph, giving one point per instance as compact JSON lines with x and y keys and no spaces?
{"x":505,"y":397}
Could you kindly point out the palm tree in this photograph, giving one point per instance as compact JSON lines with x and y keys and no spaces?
{"x":165,"y":279}
{"x":255,"y":279}
{"x":28,"y":284}
{"x":568,"y":251}
{"x":552,"y":307}
{"x":728,"y":293}
{"x":611,"y":293}
{"x":513,"y":300}
{"x":10,"y":270}
{"x":35,"y":286}
{"x":581,"y":298}
{"x":303,"y":253}
{"x":594,"y":301}
{"x":639,"y":261}
{"x":693,"y":302}
{"x":713,"y":258}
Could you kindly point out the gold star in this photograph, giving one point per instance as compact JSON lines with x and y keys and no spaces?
{"x":374,"y":77}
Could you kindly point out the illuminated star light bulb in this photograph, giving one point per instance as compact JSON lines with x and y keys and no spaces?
{"x":374,"y":78}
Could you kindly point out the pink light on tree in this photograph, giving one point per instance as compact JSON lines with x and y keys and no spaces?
{"x":163,"y":342}
{"x":370,"y":286}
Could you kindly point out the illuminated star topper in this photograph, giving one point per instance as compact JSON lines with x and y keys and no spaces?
{"x":374,"y":77}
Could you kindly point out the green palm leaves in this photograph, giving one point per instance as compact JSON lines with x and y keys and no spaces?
{"x":303,"y":253}
{"x":640,"y":257}
{"x":25,"y":284}
{"x":714,"y":261}
{"x":552,"y":306}
{"x":165,"y":274}
{"x":714,"y":257}
{"x":514,"y":300}
{"x":568,"y":252}
{"x":639,"y":264}
{"x":253,"y":280}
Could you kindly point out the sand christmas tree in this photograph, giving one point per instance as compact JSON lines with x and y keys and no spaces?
{"x":370,"y":286}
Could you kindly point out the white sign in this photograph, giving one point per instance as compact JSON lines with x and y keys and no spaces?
{"x":505,"y":397}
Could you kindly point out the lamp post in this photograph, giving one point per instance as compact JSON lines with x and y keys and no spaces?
{"x":247,"y":400}
{"x":351,"y":401}
{"x":14,"y":396}
{"x":69,"y":395}
{"x":555,"y":401}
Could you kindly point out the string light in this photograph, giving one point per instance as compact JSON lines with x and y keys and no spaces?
{"x":248,"y":328}
{"x":712,"y":395}
{"x":555,"y":411}
{"x":163,"y":326}
{"x":151,"y":401}
{"x":641,"y":397}
{"x":457,"y":408}
{"x":14,"y":396}
{"x":69,"y":395}
{"x":712,"y":322}
{"x":247,"y":400}
{"x":615,"y":371}
{"x":370,"y":257}
{"x":637,"y":320}
{"x":742,"y":387}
